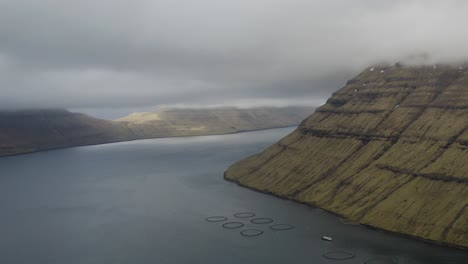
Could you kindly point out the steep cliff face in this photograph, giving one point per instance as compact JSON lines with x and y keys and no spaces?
{"x":35,"y":130}
{"x":389,"y":150}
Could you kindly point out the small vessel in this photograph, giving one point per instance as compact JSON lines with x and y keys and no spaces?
{"x":327,"y":238}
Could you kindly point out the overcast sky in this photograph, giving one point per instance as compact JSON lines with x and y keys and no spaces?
{"x":135,"y":54}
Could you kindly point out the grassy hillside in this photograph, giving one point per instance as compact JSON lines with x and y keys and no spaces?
{"x":36,"y":130}
{"x":186,"y":122}
{"x":389,"y":150}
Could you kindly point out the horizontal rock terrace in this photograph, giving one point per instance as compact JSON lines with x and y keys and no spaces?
{"x":388,"y":150}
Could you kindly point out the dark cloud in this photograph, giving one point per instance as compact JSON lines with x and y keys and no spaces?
{"x":143,"y":53}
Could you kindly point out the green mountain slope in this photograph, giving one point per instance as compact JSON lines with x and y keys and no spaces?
{"x":389,"y":150}
{"x":187,"y":122}
{"x":36,"y":130}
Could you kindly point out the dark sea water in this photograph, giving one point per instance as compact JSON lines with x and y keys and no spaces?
{"x":146,"y":202}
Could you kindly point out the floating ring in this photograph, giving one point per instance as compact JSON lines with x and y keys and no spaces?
{"x":281,"y":227}
{"x":244,"y":215}
{"x":233,"y":225}
{"x":251,"y":232}
{"x":261,"y":221}
{"x":215,"y":219}
{"x":381,"y":260}
{"x":339,"y":255}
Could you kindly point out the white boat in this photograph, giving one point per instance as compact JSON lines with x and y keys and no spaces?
{"x":327,"y":238}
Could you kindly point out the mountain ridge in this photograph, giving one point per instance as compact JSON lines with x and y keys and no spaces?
{"x":388,"y":150}
{"x":27,"y":131}
{"x":209,"y":121}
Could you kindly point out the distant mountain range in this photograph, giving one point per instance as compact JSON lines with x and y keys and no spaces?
{"x":35,"y":130}
{"x":208,"y":121}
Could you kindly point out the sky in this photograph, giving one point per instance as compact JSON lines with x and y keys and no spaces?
{"x":114,"y":56}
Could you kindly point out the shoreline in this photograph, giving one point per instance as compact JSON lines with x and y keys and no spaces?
{"x":136,"y":139}
{"x":431,"y":242}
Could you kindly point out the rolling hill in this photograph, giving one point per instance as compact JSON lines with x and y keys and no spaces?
{"x":28,"y":131}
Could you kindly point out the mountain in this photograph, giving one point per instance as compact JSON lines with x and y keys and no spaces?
{"x":35,"y":130}
{"x":188,"y":122}
{"x":389,"y":150}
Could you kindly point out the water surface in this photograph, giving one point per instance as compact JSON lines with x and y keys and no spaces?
{"x":146,"y":202}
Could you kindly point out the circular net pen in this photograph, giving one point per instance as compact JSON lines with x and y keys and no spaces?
{"x":261,"y":221}
{"x":244,"y":215}
{"x":339,"y":255}
{"x":233,"y":225}
{"x":251,"y":232}
{"x":215,"y":219}
{"x":281,"y":227}
{"x":382,"y":260}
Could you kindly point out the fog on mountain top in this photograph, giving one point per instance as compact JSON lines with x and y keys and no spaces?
{"x":143,"y":53}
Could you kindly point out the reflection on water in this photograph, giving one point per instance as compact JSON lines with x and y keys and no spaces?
{"x":147,"y":202}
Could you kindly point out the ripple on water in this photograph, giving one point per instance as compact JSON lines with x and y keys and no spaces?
{"x":339,"y":255}
{"x":262,"y":220}
{"x":244,"y":215}
{"x":233,"y":225}
{"x":216,"y":219}
{"x":251,"y":232}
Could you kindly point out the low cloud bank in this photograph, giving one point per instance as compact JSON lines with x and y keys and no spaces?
{"x":144,"y":53}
